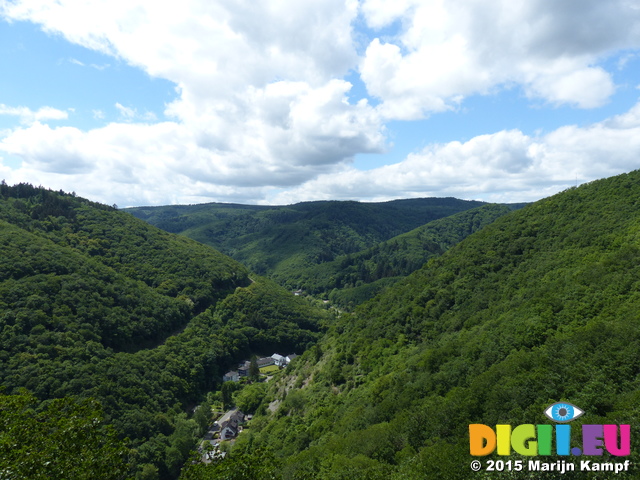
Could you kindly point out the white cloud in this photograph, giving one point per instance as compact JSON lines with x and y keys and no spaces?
{"x":286,"y":134}
{"x":585,"y":88}
{"x":57,"y":150}
{"x":263,"y":105}
{"x":200,"y":43}
{"x":26,"y":115}
{"x":447,"y":50}
{"x":100,"y":67}
{"x":506,"y":166}
{"x":75,"y":61}
{"x":161,"y":163}
{"x":128,"y":114}
{"x":261,"y":99}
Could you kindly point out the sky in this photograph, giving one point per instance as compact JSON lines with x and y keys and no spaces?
{"x":148,"y":102}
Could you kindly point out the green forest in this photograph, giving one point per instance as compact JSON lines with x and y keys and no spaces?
{"x":279,"y":241}
{"x":537,"y":307}
{"x":115,"y":331}
{"x":95,"y":304}
{"x":351,"y":279}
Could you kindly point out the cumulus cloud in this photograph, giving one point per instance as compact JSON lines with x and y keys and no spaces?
{"x":207,"y":46}
{"x":287,"y":134}
{"x":506,"y":166}
{"x":261,"y":99}
{"x":447,"y":50}
{"x":130,"y":165}
{"x":263,"y":105}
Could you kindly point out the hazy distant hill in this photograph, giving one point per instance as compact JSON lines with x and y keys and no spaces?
{"x":281,"y":240}
{"x":542,"y":305}
{"x":96,"y":303}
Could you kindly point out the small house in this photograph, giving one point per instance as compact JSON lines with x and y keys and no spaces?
{"x":229,"y":424}
{"x":231,"y":376}
{"x":243,"y":369}
{"x":279,"y":360}
{"x":290,"y":357}
{"x":265,"y":362}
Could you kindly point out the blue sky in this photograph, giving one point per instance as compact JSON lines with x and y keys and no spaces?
{"x":138,"y":103}
{"x":45,"y":69}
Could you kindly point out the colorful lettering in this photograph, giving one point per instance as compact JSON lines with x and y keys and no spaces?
{"x":533,"y":440}
{"x":482,"y":440}
{"x":611,"y":440}
{"x":523,"y":440}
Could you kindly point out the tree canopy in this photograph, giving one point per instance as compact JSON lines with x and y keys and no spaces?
{"x":279,"y":241}
{"x":537,"y":307}
{"x":62,"y":438}
{"x":96,"y":304}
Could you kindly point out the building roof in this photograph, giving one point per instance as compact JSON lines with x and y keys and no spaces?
{"x":232,"y":415}
{"x":263,"y":362}
{"x":231,"y":376}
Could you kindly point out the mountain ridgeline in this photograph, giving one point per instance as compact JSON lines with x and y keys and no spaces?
{"x":353,"y":278}
{"x":97,"y":304}
{"x":540,"y":306}
{"x":279,"y":241}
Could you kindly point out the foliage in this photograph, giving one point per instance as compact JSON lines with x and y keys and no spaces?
{"x":254,"y":370}
{"x":95,"y":303}
{"x":539,"y":306}
{"x":256,"y":466}
{"x":280,"y":241}
{"x":249,"y":399}
{"x":58,"y":439}
{"x":351,"y":279}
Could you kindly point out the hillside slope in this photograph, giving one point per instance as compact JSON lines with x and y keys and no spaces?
{"x":95,"y":303}
{"x":351,"y":279}
{"x":280,"y":240}
{"x":541,"y":306}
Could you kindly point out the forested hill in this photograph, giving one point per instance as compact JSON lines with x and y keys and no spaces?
{"x":353,"y":278}
{"x":97,"y":304}
{"x":280,"y":240}
{"x":542,"y":305}
{"x":137,"y":283}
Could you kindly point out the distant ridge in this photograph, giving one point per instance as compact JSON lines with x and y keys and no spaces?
{"x":351,"y":279}
{"x":280,"y":240}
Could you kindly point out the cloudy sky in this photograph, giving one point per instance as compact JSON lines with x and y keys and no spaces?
{"x":148,"y":102}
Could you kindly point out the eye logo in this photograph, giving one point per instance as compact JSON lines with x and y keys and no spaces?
{"x":563,"y":412}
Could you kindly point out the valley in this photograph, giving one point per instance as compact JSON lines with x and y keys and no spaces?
{"x":486,"y":315}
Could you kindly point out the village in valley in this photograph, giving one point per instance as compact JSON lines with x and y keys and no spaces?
{"x":227,"y":426}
